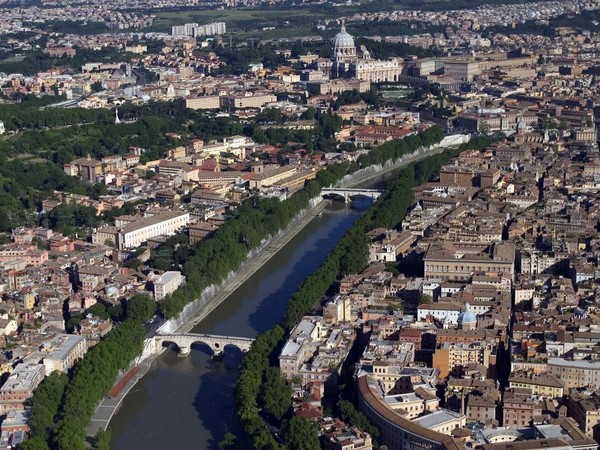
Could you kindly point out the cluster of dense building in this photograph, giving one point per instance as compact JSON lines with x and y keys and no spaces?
{"x":502,"y":321}
{"x":493,"y":345}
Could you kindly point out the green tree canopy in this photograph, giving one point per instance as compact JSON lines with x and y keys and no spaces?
{"x":300,"y":433}
{"x":141,"y":307}
{"x":276,"y":395}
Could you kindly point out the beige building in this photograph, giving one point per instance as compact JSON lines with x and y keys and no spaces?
{"x":585,"y":409}
{"x":28,"y":254}
{"x":63,"y":352}
{"x":576,"y":373}
{"x":19,"y":387}
{"x":398,"y":432}
{"x":451,"y":356}
{"x":87,"y":169}
{"x":545,"y":385}
{"x":459,"y":260}
{"x":249,"y":100}
{"x":167,"y":283}
{"x":269,"y":176}
{"x":338,"y":310}
{"x":203,"y":102}
{"x":135,"y":233}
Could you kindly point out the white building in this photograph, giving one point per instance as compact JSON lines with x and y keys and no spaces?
{"x":345,"y":63}
{"x":167,"y":283}
{"x":442,"y":311}
{"x":139,"y":231}
{"x":63,"y":352}
{"x":19,"y":386}
{"x":195,"y":30}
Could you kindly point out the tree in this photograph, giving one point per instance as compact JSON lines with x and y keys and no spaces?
{"x":550,"y":123}
{"x":102,"y":440}
{"x":300,"y":433}
{"x":115,"y":312}
{"x":133,"y":263}
{"x":141,"y":308}
{"x":276,"y":394}
{"x":98,"y":310}
{"x":484,"y":128}
{"x":425,"y":299}
{"x":35,"y":443}
{"x":96,"y":86}
{"x":45,"y":404}
{"x":564,"y":125}
{"x":229,"y":442}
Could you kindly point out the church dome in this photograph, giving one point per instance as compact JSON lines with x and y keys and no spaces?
{"x":343,"y":43}
{"x":467,"y":317}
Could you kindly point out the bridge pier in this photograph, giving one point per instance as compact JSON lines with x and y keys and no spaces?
{"x":217,"y":344}
{"x":184,"y":351}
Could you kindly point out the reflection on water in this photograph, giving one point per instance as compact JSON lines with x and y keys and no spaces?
{"x":187,"y":403}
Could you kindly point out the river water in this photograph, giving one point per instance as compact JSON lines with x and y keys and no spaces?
{"x":187,"y":403}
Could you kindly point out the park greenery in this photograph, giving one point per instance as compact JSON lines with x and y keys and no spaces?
{"x":37,"y":61}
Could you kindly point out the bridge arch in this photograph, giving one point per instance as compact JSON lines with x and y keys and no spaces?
{"x":349,"y":193}
{"x":216,"y":343}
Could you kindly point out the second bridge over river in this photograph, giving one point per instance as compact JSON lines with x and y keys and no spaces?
{"x":348,"y":193}
{"x":216,"y":343}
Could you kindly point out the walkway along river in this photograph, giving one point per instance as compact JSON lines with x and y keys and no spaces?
{"x":187,"y":403}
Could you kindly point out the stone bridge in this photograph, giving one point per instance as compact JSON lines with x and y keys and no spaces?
{"x":348,"y":193}
{"x":216,"y":343}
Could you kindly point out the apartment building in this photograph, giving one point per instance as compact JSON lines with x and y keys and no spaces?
{"x":19,"y":386}
{"x":167,"y":283}
{"x":538,"y":384}
{"x":203,"y":102}
{"x":575,"y":373}
{"x":28,"y":254}
{"x":449,"y":357}
{"x":137,"y":232}
{"x":459,"y":260}
{"x":315,"y":351}
{"x":244,"y":101}
{"x":87,"y":169}
{"x":585,"y":409}
{"x":63,"y":352}
{"x":519,"y":408}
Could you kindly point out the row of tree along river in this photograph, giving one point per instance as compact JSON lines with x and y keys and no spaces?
{"x":188,"y":403}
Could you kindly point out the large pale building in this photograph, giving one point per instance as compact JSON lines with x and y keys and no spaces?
{"x":63,"y":352}
{"x":19,"y":387}
{"x":460,"y":260}
{"x":345,"y":63}
{"x":136,"y":232}
{"x":167,"y":283}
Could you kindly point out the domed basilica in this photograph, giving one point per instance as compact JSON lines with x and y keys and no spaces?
{"x":345,"y":63}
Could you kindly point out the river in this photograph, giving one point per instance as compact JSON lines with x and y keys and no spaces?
{"x":187,"y":403}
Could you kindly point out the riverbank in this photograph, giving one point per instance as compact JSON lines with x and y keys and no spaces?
{"x":108,"y":407}
{"x":263,"y":256}
{"x":251,"y":268}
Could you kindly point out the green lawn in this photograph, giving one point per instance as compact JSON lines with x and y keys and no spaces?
{"x":238,"y":20}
